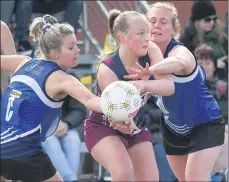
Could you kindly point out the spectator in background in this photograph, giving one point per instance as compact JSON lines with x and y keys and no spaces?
{"x":218,"y":87}
{"x":63,"y":147}
{"x":23,"y":12}
{"x":73,"y":9}
{"x":24,"y":9}
{"x":204,"y":27}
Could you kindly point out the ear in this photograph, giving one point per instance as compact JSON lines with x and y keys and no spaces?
{"x":122,"y":37}
{"x":54,"y":54}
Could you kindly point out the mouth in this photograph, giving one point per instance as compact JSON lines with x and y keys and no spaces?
{"x":156,"y":33}
{"x":145,"y":47}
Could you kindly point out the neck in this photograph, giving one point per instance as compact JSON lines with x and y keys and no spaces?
{"x":163,"y":45}
{"x":51,"y":60}
{"x":127,"y":56}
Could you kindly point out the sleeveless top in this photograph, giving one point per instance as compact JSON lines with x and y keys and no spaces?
{"x":27,"y":112}
{"x":191,"y":104}
{"x":115,"y":64}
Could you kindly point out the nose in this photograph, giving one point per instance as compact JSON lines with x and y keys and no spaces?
{"x":157,"y":24}
{"x":77,"y":50}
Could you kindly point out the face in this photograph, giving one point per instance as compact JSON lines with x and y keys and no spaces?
{"x":161,"y":28}
{"x":208,"y":66}
{"x":208,"y":23}
{"x":137,"y":37}
{"x":69,"y":52}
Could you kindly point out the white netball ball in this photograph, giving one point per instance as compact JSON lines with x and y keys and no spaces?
{"x":120,"y":101}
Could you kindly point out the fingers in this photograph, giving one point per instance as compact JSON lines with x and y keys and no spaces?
{"x":132,"y":70}
{"x":147,"y":67}
{"x":132,"y":77}
{"x":139,"y":67}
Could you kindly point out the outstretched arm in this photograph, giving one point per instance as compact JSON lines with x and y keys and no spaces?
{"x":180,"y":62}
{"x":7,"y":42}
{"x":61,"y":83}
{"x":10,"y":63}
{"x":163,"y":83}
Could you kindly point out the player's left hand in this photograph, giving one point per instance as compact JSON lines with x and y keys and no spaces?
{"x":138,"y":73}
{"x":126,"y":127}
{"x":62,"y":129}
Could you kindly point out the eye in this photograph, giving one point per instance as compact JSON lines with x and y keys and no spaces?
{"x":163,"y":21}
{"x":142,"y":33}
{"x":153,"y":21}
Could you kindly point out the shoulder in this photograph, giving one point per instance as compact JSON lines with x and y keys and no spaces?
{"x":104,"y":71}
{"x":181,"y":49}
{"x":24,"y":60}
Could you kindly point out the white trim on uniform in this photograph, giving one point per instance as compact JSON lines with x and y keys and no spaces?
{"x":186,"y":79}
{"x":179,"y":129}
{"x":9,"y":134}
{"x":6,"y":131}
{"x":22,"y":135}
{"x":36,"y":88}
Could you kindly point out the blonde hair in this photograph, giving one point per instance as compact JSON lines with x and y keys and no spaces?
{"x":175,"y":21}
{"x":49,"y":34}
{"x":119,"y":22}
{"x":218,"y":28}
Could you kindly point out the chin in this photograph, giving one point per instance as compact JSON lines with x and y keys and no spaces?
{"x":143,"y":53}
{"x":74,"y":64}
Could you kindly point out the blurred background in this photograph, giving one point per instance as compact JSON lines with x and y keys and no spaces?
{"x":90,"y":20}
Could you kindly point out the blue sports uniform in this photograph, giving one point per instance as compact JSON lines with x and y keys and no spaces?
{"x":190,"y":106}
{"x":28,"y":116}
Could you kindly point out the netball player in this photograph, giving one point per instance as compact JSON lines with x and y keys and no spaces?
{"x":32,"y":102}
{"x":128,"y":155}
{"x":192,"y":124}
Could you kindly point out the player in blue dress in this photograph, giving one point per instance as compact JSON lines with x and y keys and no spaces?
{"x":192,"y":123}
{"x":31,"y":105}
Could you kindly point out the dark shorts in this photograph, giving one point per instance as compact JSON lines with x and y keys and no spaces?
{"x":202,"y":136}
{"x":94,"y":132}
{"x":32,"y":167}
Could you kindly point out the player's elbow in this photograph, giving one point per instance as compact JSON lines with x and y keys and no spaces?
{"x":183,"y":62}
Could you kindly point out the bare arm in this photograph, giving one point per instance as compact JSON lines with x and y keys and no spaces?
{"x":163,"y":83}
{"x":105,"y":76}
{"x":60,"y":84}
{"x":7,"y":42}
{"x":180,"y":62}
{"x":163,"y":86}
{"x":11,"y":63}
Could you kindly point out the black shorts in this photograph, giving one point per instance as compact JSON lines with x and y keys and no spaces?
{"x":202,"y":136}
{"x":32,"y":167}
